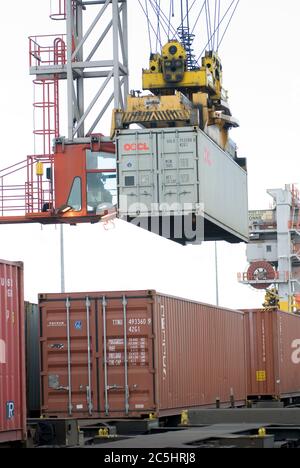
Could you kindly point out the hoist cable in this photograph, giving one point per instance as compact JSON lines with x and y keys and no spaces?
{"x":215,"y":20}
{"x":188,"y":11}
{"x":158,"y":25}
{"x":220,"y":22}
{"x":170,"y":15}
{"x":163,"y":18}
{"x":149,"y":22}
{"x":197,"y":19}
{"x":181,"y":17}
{"x":230,"y":19}
{"x":187,"y":15}
{"x":209,"y":23}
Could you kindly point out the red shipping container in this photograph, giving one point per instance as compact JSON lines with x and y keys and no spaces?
{"x":12,"y":353}
{"x":273,"y":353}
{"x":131,"y":353}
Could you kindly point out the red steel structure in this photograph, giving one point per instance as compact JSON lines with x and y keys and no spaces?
{"x":47,"y":51}
{"x":131,"y":353}
{"x":12,"y":355}
{"x":47,"y":179}
{"x":58,"y":10}
{"x":44,"y":199}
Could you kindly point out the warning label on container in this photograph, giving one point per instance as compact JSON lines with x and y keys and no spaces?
{"x":261,"y":376}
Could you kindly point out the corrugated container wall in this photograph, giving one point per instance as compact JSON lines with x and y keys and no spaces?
{"x":32,"y":328}
{"x":181,"y":171}
{"x":124,"y":354}
{"x":273,"y":353}
{"x":12,"y":353}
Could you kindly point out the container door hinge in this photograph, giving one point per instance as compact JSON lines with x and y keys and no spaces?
{"x":89,"y":400}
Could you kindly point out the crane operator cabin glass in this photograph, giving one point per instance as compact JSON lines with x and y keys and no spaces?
{"x":101,"y":181}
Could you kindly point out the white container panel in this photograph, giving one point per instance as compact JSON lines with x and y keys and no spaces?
{"x":223,"y":187}
{"x":177,"y":165}
{"x":183,"y":168}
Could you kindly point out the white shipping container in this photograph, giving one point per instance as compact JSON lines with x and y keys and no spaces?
{"x":181,"y":172}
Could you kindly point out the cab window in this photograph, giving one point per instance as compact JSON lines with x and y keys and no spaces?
{"x":74,"y":200}
{"x":101,"y":191}
{"x":100,"y":160}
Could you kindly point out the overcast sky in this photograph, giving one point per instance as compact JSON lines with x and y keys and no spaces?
{"x":261,"y":72}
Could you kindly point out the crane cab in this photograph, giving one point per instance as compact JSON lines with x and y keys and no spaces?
{"x":75,"y":184}
{"x":84,"y":180}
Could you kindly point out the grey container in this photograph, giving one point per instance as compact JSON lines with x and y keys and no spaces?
{"x":32,"y":327}
{"x":181,"y":174}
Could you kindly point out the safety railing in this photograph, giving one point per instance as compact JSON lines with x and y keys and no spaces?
{"x":262,"y":226}
{"x":294,"y":223}
{"x":279,"y":277}
{"x":295,"y":195}
{"x":58,"y":10}
{"x":47,"y":50}
{"x":35,"y":195}
{"x":39,"y":190}
{"x":296,"y":250}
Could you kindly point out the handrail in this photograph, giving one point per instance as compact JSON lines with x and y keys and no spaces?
{"x":42,"y":53}
{"x":26,"y":164}
{"x":31,"y":196}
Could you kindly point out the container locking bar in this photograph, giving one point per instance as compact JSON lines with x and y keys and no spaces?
{"x":88,"y":389}
{"x":104,"y":304}
{"x":124,"y":302}
{"x":68,"y":307}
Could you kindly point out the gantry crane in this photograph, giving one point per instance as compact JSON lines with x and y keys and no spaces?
{"x":72,"y":178}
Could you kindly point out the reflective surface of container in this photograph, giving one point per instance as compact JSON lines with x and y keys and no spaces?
{"x":273,"y":353}
{"x":131,"y":353}
{"x":12,"y":353}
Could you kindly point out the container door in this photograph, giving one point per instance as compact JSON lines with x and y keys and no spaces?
{"x":32,"y":329}
{"x":12,"y":384}
{"x":178,"y":169}
{"x":128,"y":374}
{"x":137,"y":173}
{"x":69,"y":361}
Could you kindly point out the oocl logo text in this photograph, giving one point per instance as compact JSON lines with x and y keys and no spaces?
{"x":136,"y":147}
{"x":296,"y":353}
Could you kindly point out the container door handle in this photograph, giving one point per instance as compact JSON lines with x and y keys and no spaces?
{"x":124,"y":302}
{"x":104,"y":303}
{"x":88,"y":388}
{"x":68,"y":306}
